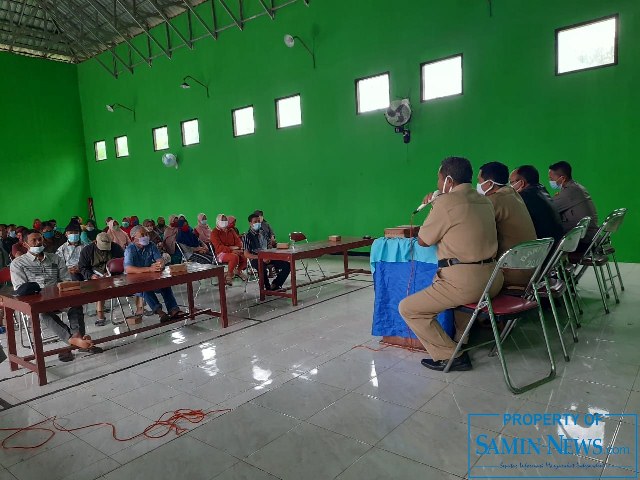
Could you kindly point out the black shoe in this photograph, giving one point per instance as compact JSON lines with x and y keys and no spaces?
{"x":66,"y":356}
{"x":164,"y":317}
{"x":101,"y":322}
{"x":460,"y":364}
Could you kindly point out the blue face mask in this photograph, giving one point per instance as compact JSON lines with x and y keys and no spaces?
{"x":554,"y":185}
{"x":48,"y":234}
{"x":12,"y":234}
{"x":74,"y":237}
{"x":256,"y":226}
{"x":125,"y":224}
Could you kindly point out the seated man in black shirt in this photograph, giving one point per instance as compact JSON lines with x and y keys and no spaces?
{"x":253,"y":243}
{"x":526,"y":181}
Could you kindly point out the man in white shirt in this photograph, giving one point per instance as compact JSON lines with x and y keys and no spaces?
{"x":70,"y":251}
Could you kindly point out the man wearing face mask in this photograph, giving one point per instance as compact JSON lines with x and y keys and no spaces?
{"x":513,"y":221}
{"x":160,"y":226}
{"x":7,"y":240}
{"x":228,"y":247}
{"x":47,"y":269}
{"x":254,"y":241}
{"x":144,"y":257}
{"x":462,"y":224}
{"x":69,"y":251}
{"x":51,"y":242}
{"x":572,"y":202}
{"x":526,"y":181}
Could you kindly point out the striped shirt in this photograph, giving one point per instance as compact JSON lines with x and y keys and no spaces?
{"x":253,"y":242}
{"x":46,"y":272}
{"x":69,"y":253}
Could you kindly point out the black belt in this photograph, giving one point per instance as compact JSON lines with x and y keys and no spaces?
{"x":449,"y":262}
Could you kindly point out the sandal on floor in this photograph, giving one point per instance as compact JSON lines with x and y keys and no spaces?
{"x":66,"y":356}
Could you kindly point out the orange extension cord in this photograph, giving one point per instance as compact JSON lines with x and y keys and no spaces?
{"x":171,"y":424}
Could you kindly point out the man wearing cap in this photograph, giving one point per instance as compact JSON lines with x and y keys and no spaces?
{"x":462,"y":224}
{"x":70,"y":251}
{"x":47,"y":269}
{"x":92,"y":264}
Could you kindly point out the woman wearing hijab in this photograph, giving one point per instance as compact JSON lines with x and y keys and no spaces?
{"x":126,"y":226}
{"x":228,"y":247}
{"x":202,"y":230}
{"x":191,"y":245}
{"x":232,"y":224}
{"x":169,"y":239}
{"x":117,"y":235}
{"x":89,"y":233}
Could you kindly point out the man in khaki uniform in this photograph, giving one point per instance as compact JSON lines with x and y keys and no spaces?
{"x":462,"y":224}
{"x":513,"y":220}
{"x":572,"y":202}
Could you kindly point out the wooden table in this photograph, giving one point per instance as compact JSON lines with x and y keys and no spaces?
{"x":300,"y":251}
{"x":50,"y":299}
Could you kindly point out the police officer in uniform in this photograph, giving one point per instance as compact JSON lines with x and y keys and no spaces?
{"x":513,"y":221}
{"x":462,"y":224}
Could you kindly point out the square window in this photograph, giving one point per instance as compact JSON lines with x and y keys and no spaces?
{"x":243,"y":123}
{"x":122,"y":147}
{"x":160,"y":138}
{"x":587,"y":45}
{"x":441,"y":78}
{"x":101,"y":150}
{"x":190,"y":133}
{"x":372,"y":93}
{"x":288,"y":111}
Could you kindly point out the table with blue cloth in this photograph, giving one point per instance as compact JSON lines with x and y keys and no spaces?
{"x":393,"y":271}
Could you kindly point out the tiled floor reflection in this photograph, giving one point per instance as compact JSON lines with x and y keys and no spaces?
{"x":305,"y":404}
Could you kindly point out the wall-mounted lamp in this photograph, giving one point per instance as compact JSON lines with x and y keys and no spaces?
{"x":185,"y":84}
{"x":290,"y":41}
{"x":113,"y":106}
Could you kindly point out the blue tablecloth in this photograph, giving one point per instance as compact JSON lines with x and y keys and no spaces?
{"x":393,"y":271}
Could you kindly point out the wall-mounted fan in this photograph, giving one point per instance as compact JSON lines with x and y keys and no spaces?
{"x":398,"y":115}
{"x":169,"y":160}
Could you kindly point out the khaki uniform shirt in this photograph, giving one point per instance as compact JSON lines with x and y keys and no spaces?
{"x":513,"y":221}
{"x":462,"y":223}
{"x":573,"y":203}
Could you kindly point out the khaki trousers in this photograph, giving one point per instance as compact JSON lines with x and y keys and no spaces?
{"x":451,"y":287}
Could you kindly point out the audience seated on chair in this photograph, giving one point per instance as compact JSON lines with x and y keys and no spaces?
{"x":126,"y":226}
{"x":4,"y":258}
{"x":254,"y":241}
{"x":513,"y":221}
{"x":69,"y":251}
{"x":93,"y":264}
{"x":89,"y":233}
{"x":203,"y":231}
{"x":232,"y":224}
{"x":141,"y":256}
{"x":117,"y":235}
{"x":169,"y":239}
{"x":106,"y":222}
{"x":47,"y":269}
{"x":462,"y":224}
{"x":228,"y":248}
{"x":160,"y":226}
{"x":265,"y":230}
{"x":526,"y":181}
{"x":51,"y":241}
{"x":191,"y":245}
{"x":572,"y":202}
{"x":7,"y":240}
{"x":37,"y":224}
{"x":150,"y":227}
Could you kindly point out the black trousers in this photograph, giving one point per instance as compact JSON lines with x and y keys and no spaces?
{"x":283,"y":268}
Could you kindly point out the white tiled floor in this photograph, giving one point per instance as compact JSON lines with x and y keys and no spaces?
{"x":307,"y":405}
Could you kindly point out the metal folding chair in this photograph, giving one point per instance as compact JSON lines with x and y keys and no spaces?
{"x":558,"y":288}
{"x":301,"y":237}
{"x":115,"y":267}
{"x":595,"y":257}
{"x":524,"y":256}
{"x":609,"y":250}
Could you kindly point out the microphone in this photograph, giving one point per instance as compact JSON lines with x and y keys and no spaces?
{"x":434,"y":195}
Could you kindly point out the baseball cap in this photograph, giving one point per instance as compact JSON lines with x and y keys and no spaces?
{"x":103,"y":241}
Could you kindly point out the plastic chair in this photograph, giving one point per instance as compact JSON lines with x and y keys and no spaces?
{"x":524,"y":256}
{"x":301,"y":237}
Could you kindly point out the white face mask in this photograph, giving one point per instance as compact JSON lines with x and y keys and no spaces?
{"x":480,"y":189}
{"x":223,"y":223}
{"x":203,"y":222}
{"x":36,"y":250}
{"x":90,"y":229}
{"x":143,"y":241}
{"x":149,"y":229}
{"x":555,"y":185}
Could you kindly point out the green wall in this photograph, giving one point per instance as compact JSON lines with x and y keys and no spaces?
{"x":44,"y":172}
{"x":342,"y":173}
